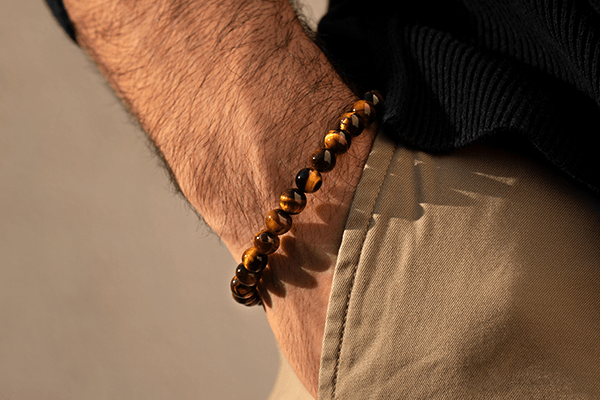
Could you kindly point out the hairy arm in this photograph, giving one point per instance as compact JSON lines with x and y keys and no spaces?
{"x":236,"y":97}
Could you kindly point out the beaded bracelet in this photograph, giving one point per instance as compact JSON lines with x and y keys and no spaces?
{"x":292,"y":201}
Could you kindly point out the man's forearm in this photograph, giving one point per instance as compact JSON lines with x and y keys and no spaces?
{"x":236,"y":96}
{"x":202,"y":77}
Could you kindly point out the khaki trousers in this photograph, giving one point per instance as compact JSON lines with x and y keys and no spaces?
{"x":472,"y":275}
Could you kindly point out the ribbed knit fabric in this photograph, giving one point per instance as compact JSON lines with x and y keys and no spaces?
{"x":453,"y":72}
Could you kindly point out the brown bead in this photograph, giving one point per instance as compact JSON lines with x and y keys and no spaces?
{"x":250,"y":301}
{"x":278,"y":221}
{"x":253,"y":260}
{"x":240,"y":290}
{"x":352,"y":123}
{"x":246,"y":277}
{"x":323,"y":160}
{"x":309,"y":180}
{"x":253,"y":301}
{"x":366,"y":110}
{"x":292,"y":201}
{"x":337,"y":141}
{"x":374,"y":97}
{"x":266,"y":242}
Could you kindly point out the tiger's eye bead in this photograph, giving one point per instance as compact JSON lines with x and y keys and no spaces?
{"x":352,"y":123}
{"x":253,"y":301}
{"x":246,"y":277}
{"x":253,"y":260}
{"x":366,"y":110}
{"x":323,"y":160}
{"x":266,"y":242}
{"x":374,"y":97}
{"x":240,"y":290}
{"x":278,"y":221}
{"x":337,"y":141}
{"x":309,"y":180}
{"x":292,"y":201}
{"x":250,"y":301}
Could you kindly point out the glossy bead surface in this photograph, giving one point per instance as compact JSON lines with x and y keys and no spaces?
{"x":323,"y":160}
{"x":352,"y":123}
{"x":309,"y":180}
{"x":240,"y":290}
{"x":246,"y":277}
{"x":253,"y":301}
{"x":292,"y":201}
{"x":374,"y":97}
{"x":337,"y":141}
{"x":250,"y":301}
{"x":266,"y":242}
{"x":253,"y":260}
{"x":366,"y":110}
{"x":278,"y":221}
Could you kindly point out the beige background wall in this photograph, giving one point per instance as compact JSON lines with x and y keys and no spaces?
{"x":109,"y":286}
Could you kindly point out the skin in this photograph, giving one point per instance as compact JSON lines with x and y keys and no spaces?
{"x":236,"y":97}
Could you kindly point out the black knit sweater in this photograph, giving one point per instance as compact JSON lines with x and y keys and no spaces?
{"x":456,"y":71}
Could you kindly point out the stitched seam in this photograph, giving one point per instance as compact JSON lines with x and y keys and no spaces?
{"x":343,"y":329}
